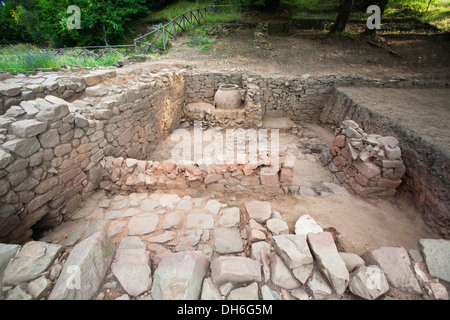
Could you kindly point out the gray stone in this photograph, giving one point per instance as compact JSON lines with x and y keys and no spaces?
{"x":171,"y":220}
{"x":132,"y":268}
{"x":33,"y":259}
{"x":132,"y":243}
{"x":19,"y":293}
{"x":199,"y":221}
{"x":294,"y":252}
{"x":300,"y":294}
{"x":115,"y":227}
{"x":395,"y":263}
{"x":319,"y":286}
{"x":28,"y":128}
{"x":84,"y":269}
{"x":260,"y":211}
{"x":5,"y":158}
{"x":269,"y":294}
{"x":96,"y":91}
{"x":22,"y":147}
{"x":53,"y":113}
{"x":334,"y":188}
{"x":351,"y":260}
{"x":210,"y":291}
{"x":179,"y":276}
{"x":228,"y":240}
{"x":437,"y":257}
{"x":143,"y":224}
{"x":329,"y":261}
{"x":163,"y":237}
{"x":281,"y":275}
{"x":7,"y":252}
{"x":306,"y":224}
{"x":168,"y":200}
{"x":49,"y":139}
{"x":368,"y":282}
{"x":277,"y":226}
{"x":189,"y":239}
{"x":40,"y":287}
{"x":226,"y":288}
{"x":123,"y":297}
{"x":10,"y":89}
{"x":230,"y":217}
{"x":235,"y":269}
{"x":249,"y":292}
{"x":212,"y":206}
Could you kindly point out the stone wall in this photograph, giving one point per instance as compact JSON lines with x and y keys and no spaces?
{"x":50,"y":149}
{"x":371,"y":164}
{"x":267,"y":174}
{"x":14,"y":90}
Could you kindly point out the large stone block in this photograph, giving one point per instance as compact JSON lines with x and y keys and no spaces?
{"x":22,"y":147}
{"x":235,"y":269}
{"x":395,"y":263}
{"x":28,"y":128}
{"x":84,"y":269}
{"x":179,"y":276}
{"x":329,"y":261}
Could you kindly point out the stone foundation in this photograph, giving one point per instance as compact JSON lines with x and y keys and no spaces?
{"x":371,"y":164}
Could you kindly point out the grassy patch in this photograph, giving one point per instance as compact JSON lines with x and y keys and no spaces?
{"x":20,"y":58}
{"x":200,"y":36}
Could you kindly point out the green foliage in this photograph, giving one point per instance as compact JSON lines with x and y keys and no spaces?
{"x":200,"y":37}
{"x":20,"y":58}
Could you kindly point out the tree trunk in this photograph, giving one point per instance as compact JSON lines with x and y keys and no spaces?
{"x":382,"y":4}
{"x":345,"y":8}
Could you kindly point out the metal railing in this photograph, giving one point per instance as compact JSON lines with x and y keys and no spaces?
{"x":162,"y":35}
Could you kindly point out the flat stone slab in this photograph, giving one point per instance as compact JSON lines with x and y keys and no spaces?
{"x":395,"y":263}
{"x":260,"y":211}
{"x":277,"y":226}
{"x":199,"y":221}
{"x":143,"y":224}
{"x":228,"y":240}
{"x":437,"y":257}
{"x":179,"y":276}
{"x":132,"y":268}
{"x":235,"y":269}
{"x":32,"y":260}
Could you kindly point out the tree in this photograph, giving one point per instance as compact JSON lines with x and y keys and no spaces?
{"x":345,"y":8}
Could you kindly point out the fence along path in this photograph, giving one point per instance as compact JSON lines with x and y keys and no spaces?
{"x":162,"y":35}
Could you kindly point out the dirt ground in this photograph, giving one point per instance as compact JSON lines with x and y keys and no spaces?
{"x":310,"y":52}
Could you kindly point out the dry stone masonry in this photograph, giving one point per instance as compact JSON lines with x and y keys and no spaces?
{"x":200,"y":248}
{"x":371,"y":164}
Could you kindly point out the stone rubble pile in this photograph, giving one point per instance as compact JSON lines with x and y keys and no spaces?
{"x":258,"y":259}
{"x":370,"y":164}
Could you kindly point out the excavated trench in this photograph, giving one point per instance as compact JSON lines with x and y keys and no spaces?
{"x":323,"y":147}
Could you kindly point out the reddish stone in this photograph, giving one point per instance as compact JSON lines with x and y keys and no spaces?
{"x":368,"y":169}
{"x":339,"y":141}
{"x":167,"y":166}
{"x":287,"y":174}
{"x":269,"y":177}
{"x":386,"y":183}
{"x":362,"y":180}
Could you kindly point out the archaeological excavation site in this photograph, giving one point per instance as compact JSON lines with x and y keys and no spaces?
{"x":162,"y":181}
